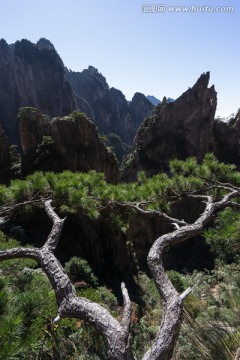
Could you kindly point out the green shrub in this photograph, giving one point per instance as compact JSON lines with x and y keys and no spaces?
{"x":79,"y":270}
{"x":176,"y":280}
{"x":224,"y":236}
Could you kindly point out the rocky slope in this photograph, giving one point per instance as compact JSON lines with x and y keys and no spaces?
{"x":91,"y":86}
{"x":227,"y":140}
{"x":153,"y":100}
{"x":69,"y":142}
{"x":108,"y":107}
{"x":5,"y":163}
{"x":34,"y":75}
{"x":31,"y":75}
{"x":175,"y":130}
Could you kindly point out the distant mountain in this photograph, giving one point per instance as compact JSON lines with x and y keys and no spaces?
{"x":34,"y":75}
{"x":227,"y":118}
{"x":63,"y":143}
{"x":31,"y":75}
{"x":156,"y":101}
{"x":108,"y":107}
{"x":153,"y":100}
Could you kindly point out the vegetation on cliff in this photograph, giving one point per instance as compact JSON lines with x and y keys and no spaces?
{"x":63,"y":143}
{"x":210,"y":322}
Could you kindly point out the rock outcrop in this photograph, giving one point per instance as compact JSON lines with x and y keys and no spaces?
{"x":175,"y":130}
{"x":5,"y":161}
{"x":131,"y":113}
{"x":31,"y":75}
{"x":91,"y":86}
{"x":153,"y":100}
{"x":63,"y":143}
{"x":140,"y":107}
{"x":227,"y":140}
{"x":108,"y":107}
{"x":34,"y":75}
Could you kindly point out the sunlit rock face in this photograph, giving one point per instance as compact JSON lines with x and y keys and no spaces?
{"x":4,"y":158}
{"x":31,"y":75}
{"x":227,"y":140}
{"x":63,"y":143}
{"x":108,"y":107}
{"x":175,"y":130}
{"x":34,"y":75}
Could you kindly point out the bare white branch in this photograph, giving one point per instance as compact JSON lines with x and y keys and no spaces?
{"x":116,"y":334}
{"x":137,"y":207}
{"x":56,"y":320}
{"x":185,"y":293}
{"x":17,"y":253}
{"x":163,"y":345}
{"x":237,"y":356}
{"x":126,"y":317}
{"x":2,"y":221}
{"x":176,"y":226}
{"x":6,"y":210}
{"x":58,"y":223}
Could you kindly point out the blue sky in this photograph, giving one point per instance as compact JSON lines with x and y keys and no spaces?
{"x":153,"y":53}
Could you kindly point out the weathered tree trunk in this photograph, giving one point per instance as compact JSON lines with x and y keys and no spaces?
{"x":116,"y":334}
{"x":237,"y":356}
{"x":164,"y":343}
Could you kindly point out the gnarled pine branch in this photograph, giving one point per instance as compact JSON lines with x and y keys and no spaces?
{"x":115,"y":334}
{"x":163,"y":345}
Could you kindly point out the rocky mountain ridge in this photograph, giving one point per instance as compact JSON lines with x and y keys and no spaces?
{"x":180,"y":129}
{"x":31,"y":75}
{"x":34,"y":75}
{"x":63,"y":143}
{"x":5,"y":162}
{"x":108,"y":107}
{"x":156,"y":101}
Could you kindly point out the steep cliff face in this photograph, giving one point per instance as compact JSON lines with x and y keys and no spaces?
{"x":34,"y":75}
{"x":140,"y":108}
{"x":175,"y":130}
{"x":153,"y":100}
{"x":131,"y":113}
{"x":31,"y":75}
{"x":91,"y":86}
{"x":108,"y":108}
{"x":227,"y":140}
{"x":57,"y":144}
{"x":128,"y":130}
{"x":5,"y":163}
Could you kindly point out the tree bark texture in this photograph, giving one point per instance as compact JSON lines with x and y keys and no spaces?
{"x":116,"y":334}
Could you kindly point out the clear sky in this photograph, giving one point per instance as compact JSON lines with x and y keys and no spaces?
{"x":135,"y":49}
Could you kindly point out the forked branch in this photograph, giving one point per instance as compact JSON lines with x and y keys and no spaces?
{"x":163,"y":345}
{"x":116,"y":334}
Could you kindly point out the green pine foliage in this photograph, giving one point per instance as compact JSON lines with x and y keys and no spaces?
{"x":225,"y":235}
{"x":79,"y":269}
{"x":211,"y":331}
{"x":27,"y":307}
{"x":89,"y":192}
{"x":211,"y":326}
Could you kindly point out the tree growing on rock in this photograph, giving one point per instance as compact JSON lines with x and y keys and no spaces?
{"x":212,"y":184}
